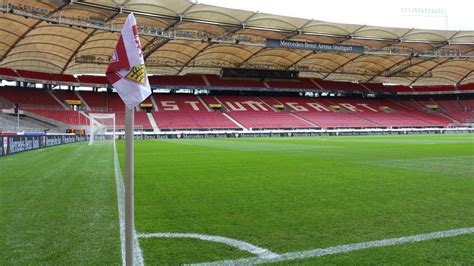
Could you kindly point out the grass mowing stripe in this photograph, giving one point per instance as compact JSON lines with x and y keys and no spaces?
{"x":289,"y":200}
{"x":450,"y":165}
{"x":58,"y":206}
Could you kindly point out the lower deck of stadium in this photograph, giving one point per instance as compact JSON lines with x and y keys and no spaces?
{"x":41,"y":108}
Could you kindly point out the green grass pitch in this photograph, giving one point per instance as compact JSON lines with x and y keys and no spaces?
{"x":58,"y":205}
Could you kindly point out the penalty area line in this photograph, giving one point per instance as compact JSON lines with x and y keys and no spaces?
{"x":256,"y":250}
{"x":343,"y":248}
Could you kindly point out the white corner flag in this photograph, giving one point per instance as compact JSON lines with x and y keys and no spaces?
{"x":126,"y":70}
{"x":127,"y":73}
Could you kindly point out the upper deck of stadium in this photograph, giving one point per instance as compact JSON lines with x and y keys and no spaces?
{"x":179,"y":37}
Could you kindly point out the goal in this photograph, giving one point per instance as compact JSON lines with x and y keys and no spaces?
{"x":102,"y":127}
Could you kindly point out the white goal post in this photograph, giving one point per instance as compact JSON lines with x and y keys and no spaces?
{"x":102,"y":126}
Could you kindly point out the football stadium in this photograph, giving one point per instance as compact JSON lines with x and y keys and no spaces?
{"x":171,"y":132}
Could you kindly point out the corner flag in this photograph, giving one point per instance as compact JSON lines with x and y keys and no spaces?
{"x":126,"y":70}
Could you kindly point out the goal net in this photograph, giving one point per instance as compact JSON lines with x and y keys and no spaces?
{"x":102,"y":127}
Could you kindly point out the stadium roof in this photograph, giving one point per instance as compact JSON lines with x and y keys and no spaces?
{"x":180,"y":37}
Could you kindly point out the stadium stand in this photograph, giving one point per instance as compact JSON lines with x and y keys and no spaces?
{"x":67,"y":117}
{"x":28,"y":97}
{"x":115,"y":104}
{"x":141,"y":120}
{"x":9,"y":123}
{"x":262,"y":120}
{"x":192,"y":120}
{"x":64,"y":95}
{"x":208,"y":99}
{"x":399,"y":88}
{"x":215,"y":81}
{"x":341,"y":86}
{"x":254,"y":113}
{"x":7,"y":72}
{"x":64,"y":78}
{"x":468,"y":104}
{"x":89,"y":79}
{"x":188,"y":112}
{"x":457,"y":110}
{"x":186,"y":103}
{"x":97,"y":101}
{"x":41,"y":76}
{"x":434,"y":88}
{"x":466,"y":87}
{"x":185,"y":111}
{"x":296,"y":84}
{"x":337,"y":120}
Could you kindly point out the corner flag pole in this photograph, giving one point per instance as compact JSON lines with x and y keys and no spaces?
{"x":129,"y":175}
{"x":127,"y":73}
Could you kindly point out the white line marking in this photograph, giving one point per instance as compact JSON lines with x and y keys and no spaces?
{"x":344,"y":248}
{"x":260,"y":252}
{"x":138,"y":260}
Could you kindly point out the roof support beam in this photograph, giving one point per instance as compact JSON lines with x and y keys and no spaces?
{"x":31,"y":29}
{"x":300,"y":60}
{"x":157,"y":42}
{"x":428,"y":70}
{"x":251,"y":56}
{"x":464,"y":77}
{"x":68,"y":62}
{"x":185,"y":65}
{"x":392,"y":71}
{"x":343,"y":65}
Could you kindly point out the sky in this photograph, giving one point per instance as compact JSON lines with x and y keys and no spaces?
{"x":458,"y":13}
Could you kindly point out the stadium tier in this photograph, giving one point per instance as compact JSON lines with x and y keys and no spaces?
{"x":216,"y":82}
{"x":192,"y":80}
{"x":183,"y":120}
{"x":466,"y":87}
{"x":298,"y":84}
{"x":40,"y":76}
{"x":28,"y":97}
{"x":67,"y":117}
{"x":141,"y":120}
{"x":65,"y":95}
{"x":341,"y":86}
{"x":88,"y":79}
{"x":6,"y":72}
{"x":192,"y":112}
{"x":97,"y":101}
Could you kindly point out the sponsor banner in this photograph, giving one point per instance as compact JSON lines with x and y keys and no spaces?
{"x":16,"y":144}
{"x":295,"y":133}
{"x":314,"y":46}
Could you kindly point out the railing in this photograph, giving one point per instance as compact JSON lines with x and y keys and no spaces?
{"x":16,"y":129}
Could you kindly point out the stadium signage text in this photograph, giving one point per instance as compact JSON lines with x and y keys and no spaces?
{"x":23,"y":144}
{"x":16,"y":144}
{"x":260,"y":106}
{"x":299,"y":133}
{"x":313,"y":46}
